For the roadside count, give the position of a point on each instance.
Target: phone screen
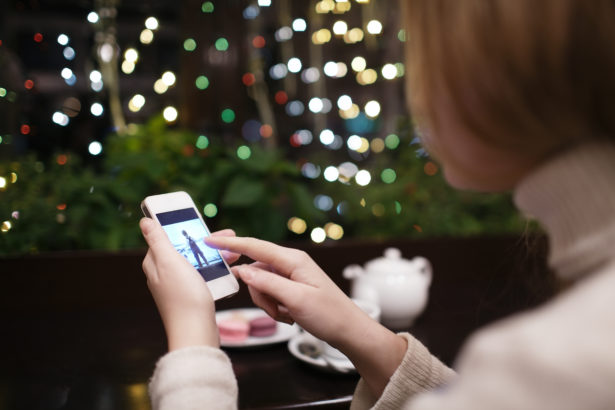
(186, 232)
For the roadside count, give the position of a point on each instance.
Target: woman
(511, 95)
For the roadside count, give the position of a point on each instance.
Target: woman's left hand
(181, 295)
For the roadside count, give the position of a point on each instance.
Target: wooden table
(80, 330)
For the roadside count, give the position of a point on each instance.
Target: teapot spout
(353, 271)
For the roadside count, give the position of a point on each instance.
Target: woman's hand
(181, 295)
(290, 286)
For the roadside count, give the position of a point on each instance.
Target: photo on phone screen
(187, 234)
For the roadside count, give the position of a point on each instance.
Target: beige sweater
(558, 356)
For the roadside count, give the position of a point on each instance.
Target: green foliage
(73, 207)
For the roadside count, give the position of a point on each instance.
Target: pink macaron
(233, 330)
(263, 326)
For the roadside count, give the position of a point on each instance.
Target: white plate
(317, 360)
(283, 333)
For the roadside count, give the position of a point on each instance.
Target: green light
(400, 69)
(391, 141)
(207, 7)
(228, 115)
(401, 35)
(189, 44)
(202, 142)
(397, 207)
(244, 152)
(388, 176)
(202, 82)
(0, 139)
(221, 44)
(210, 210)
(2, 92)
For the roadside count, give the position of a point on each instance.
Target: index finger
(283, 260)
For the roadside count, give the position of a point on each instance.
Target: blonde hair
(525, 75)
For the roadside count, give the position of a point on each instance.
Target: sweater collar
(573, 197)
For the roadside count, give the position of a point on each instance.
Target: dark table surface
(80, 331)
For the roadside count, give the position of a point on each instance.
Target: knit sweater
(558, 356)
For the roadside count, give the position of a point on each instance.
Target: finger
(149, 267)
(155, 236)
(230, 257)
(283, 290)
(265, 302)
(224, 232)
(284, 315)
(284, 260)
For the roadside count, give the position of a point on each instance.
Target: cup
(372, 310)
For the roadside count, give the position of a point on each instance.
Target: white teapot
(399, 286)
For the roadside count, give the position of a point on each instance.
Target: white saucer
(283, 333)
(317, 360)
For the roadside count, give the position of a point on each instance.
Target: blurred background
(284, 120)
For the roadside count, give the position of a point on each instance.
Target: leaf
(243, 192)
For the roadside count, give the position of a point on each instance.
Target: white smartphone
(186, 229)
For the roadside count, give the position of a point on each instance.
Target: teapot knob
(392, 253)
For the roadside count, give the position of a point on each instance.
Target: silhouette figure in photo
(198, 253)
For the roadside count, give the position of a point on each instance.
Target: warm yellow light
(2, 182)
(377, 145)
(147, 36)
(6, 226)
(367, 77)
(170, 114)
(364, 145)
(160, 87)
(13, 177)
(136, 103)
(354, 36)
(378, 209)
(350, 113)
(296, 225)
(334, 231)
(341, 7)
(321, 36)
(128, 67)
(358, 64)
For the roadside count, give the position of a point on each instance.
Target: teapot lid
(391, 262)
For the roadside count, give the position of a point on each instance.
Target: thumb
(155, 236)
(280, 288)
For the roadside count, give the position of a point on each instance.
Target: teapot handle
(424, 268)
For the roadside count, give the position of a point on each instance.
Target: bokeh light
(170, 114)
(244, 152)
(201, 82)
(296, 225)
(210, 210)
(95, 148)
(318, 235)
(228, 115)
